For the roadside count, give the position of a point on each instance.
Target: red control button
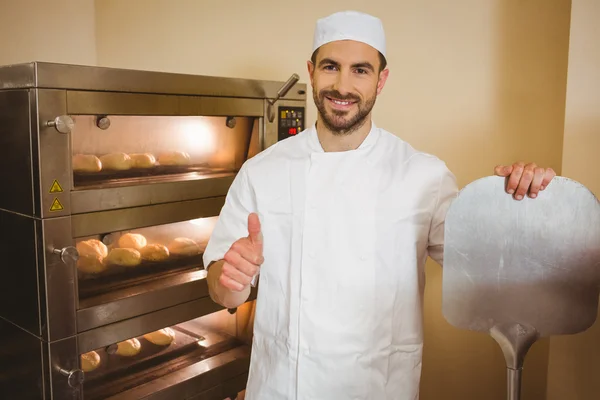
(292, 131)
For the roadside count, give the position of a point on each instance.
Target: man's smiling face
(346, 80)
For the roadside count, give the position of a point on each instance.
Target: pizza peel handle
(521, 270)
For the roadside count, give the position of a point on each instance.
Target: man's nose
(343, 83)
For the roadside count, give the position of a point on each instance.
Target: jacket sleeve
(447, 191)
(232, 223)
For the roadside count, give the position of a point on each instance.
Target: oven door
(104, 151)
(168, 354)
(110, 266)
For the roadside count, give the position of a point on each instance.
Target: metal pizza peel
(521, 270)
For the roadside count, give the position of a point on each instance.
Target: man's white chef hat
(350, 25)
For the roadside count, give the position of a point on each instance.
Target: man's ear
(383, 75)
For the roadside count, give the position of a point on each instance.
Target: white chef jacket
(346, 237)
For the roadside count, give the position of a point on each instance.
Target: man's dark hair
(382, 60)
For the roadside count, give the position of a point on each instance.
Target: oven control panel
(290, 121)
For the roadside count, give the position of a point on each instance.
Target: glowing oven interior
(213, 339)
(135, 149)
(119, 260)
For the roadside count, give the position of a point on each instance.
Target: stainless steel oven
(111, 183)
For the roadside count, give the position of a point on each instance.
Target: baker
(340, 220)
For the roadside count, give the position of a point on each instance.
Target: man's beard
(342, 122)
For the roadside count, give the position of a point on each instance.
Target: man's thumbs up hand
(244, 258)
(254, 233)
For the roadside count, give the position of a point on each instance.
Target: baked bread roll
(129, 348)
(90, 361)
(132, 241)
(162, 337)
(116, 161)
(86, 163)
(174, 158)
(184, 247)
(145, 160)
(155, 252)
(124, 257)
(92, 253)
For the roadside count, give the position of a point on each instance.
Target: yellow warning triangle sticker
(56, 206)
(56, 188)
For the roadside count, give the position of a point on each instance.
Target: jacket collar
(315, 144)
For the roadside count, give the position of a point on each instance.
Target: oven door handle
(69, 255)
(75, 377)
(62, 123)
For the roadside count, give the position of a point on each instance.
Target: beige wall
(475, 82)
(574, 367)
(47, 30)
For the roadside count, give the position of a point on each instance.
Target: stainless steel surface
(281, 93)
(270, 112)
(64, 357)
(75, 377)
(513, 379)
(17, 76)
(98, 199)
(515, 340)
(112, 349)
(519, 270)
(60, 280)
(139, 217)
(270, 127)
(75, 77)
(62, 123)
(227, 390)
(228, 367)
(103, 122)
(16, 164)
(34, 145)
(22, 368)
(123, 330)
(54, 183)
(22, 297)
(230, 122)
(141, 299)
(153, 104)
(287, 86)
(68, 255)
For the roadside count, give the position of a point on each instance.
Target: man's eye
(361, 71)
(329, 67)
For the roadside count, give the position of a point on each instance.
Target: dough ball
(116, 161)
(129, 348)
(91, 256)
(174, 158)
(155, 252)
(91, 264)
(92, 247)
(124, 257)
(132, 241)
(90, 361)
(86, 163)
(162, 337)
(145, 160)
(184, 247)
